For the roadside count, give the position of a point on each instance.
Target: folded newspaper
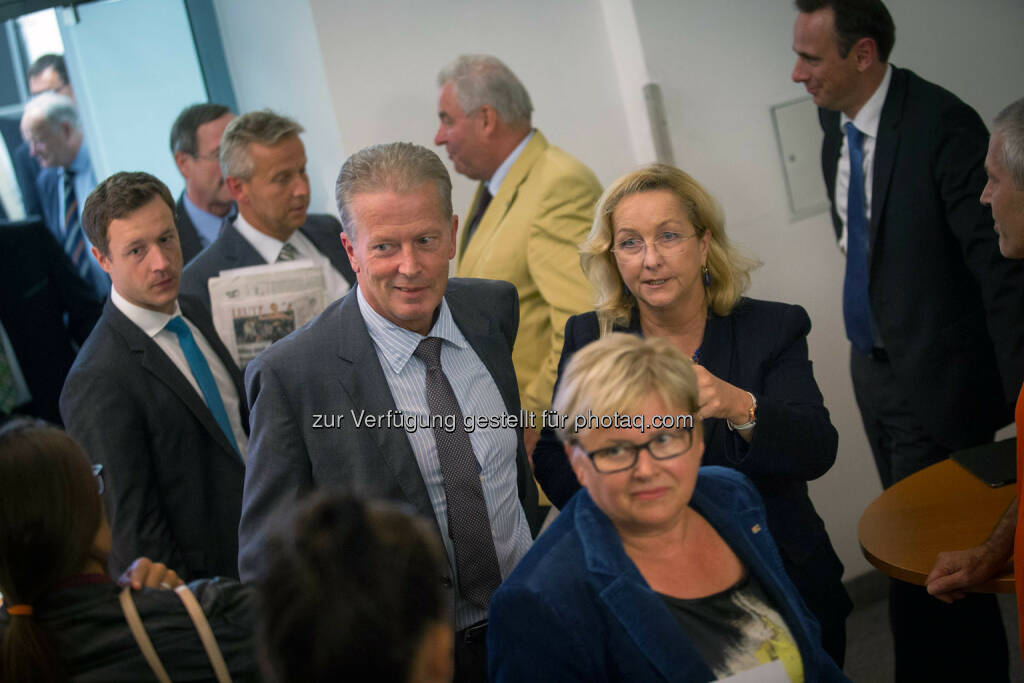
(254, 307)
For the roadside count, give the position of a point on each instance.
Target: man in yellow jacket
(534, 205)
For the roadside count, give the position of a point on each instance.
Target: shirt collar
(494, 184)
(397, 344)
(268, 247)
(149, 321)
(208, 224)
(870, 114)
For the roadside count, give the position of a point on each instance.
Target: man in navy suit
(51, 127)
(926, 291)
(154, 396)
(206, 201)
(264, 166)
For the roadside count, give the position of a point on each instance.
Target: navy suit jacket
(949, 308)
(330, 366)
(173, 481)
(761, 347)
(46, 309)
(576, 608)
(231, 250)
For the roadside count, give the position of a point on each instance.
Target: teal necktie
(204, 377)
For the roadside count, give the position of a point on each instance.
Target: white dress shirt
(495, 449)
(270, 248)
(154, 324)
(866, 122)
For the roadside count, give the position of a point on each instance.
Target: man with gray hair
(542, 208)
(53, 132)
(264, 166)
(402, 390)
(959, 571)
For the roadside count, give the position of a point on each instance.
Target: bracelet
(751, 417)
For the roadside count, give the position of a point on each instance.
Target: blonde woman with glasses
(661, 265)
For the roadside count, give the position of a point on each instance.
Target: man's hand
(145, 573)
(530, 439)
(956, 572)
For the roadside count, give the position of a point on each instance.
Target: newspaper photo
(254, 307)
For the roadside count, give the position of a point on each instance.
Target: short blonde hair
(617, 373)
(729, 269)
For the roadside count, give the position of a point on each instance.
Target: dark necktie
(203, 376)
(74, 239)
(481, 208)
(856, 307)
(469, 527)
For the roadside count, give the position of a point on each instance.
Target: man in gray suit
(354, 400)
(264, 166)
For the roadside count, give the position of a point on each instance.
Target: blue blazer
(576, 608)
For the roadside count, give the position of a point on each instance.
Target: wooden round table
(942, 507)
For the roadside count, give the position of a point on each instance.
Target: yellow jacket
(529, 236)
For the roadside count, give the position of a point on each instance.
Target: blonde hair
(617, 373)
(729, 269)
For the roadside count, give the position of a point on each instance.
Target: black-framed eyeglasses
(97, 471)
(620, 457)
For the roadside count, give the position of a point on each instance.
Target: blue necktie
(201, 371)
(74, 239)
(856, 308)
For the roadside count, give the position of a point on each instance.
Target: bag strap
(205, 633)
(131, 615)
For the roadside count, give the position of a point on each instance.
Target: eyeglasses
(664, 242)
(213, 156)
(97, 471)
(664, 446)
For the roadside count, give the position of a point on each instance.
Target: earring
(707, 276)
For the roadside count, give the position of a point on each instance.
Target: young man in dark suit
(926, 291)
(154, 396)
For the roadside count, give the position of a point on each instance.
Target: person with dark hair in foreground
(61, 618)
(353, 592)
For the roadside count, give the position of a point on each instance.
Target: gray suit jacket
(329, 367)
(231, 250)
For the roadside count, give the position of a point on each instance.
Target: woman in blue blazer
(661, 265)
(659, 570)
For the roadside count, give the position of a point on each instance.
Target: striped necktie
(288, 253)
(74, 239)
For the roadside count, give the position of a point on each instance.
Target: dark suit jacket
(39, 290)
(173, 482)
(231, 250)
(330, 366)
(188, 236)
(949, 308)
(49, 186)
(761, 347)
(576, 608)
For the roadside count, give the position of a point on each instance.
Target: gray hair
(485, 80)
(55, 108)
(263, 127)
(398, 167)
(1010, 124)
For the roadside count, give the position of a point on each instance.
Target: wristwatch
(751, 417)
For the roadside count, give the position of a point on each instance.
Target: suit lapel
(639, 610)
(486, 230)
(885, 150)
(362, 378)
(153, 359)
(237, 250)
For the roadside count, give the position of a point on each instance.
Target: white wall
(275, 61)
(721, 66)
(382, 60)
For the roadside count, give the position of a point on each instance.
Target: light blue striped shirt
(495, 449)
